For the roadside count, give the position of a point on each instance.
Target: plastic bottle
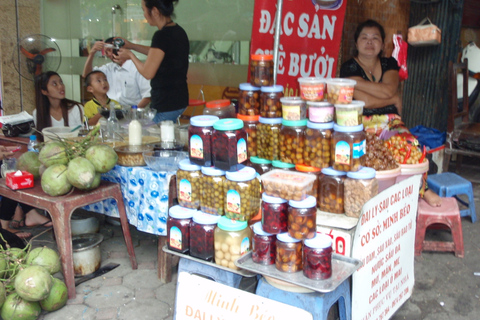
(112, 122)
(134, 129)
(33, 143)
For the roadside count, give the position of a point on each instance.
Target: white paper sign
(203, 299)
(385, 243)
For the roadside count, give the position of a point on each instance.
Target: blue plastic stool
(318, 304)
(449, 184)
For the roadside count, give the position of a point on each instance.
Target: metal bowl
(164, 160)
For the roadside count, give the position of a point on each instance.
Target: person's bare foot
(432, 198)
(33, 219)
(19, 233)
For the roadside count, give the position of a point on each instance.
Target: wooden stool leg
(164, 261)
(125, 226)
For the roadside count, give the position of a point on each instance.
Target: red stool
(448, 215)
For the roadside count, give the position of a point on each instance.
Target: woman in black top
(167, 60)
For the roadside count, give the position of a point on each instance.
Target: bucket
(56, 133)
(387, 178)
(86, 253)
(408, 170)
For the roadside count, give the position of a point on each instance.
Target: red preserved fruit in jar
(289, 254)
(274, 214)
(261, 70)
(229, 144)
(263, 246)
(202, 230)
(200, 139)
(302, 218)
(317, 257)
(178, 228)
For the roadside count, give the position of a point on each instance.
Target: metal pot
(87, 257)
(84, 224)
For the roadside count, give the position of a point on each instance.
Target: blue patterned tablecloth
(145, 195)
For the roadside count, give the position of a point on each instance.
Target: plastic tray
(342, 268)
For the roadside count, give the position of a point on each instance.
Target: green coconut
(15, 257)
(33, 283)
(81, 173)
(44, 257)
(57, 298)
(3, 266)
(54, 180)
(96, 181)
(3, 294)
(16, 308)
(53, 153)
(103, 157)
(29, 162)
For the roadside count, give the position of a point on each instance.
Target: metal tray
(241, 272)
(342, 268)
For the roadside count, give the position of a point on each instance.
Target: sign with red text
(311, 32)
(202, 299)
(385, 243)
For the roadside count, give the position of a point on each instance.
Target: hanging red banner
(311, 32)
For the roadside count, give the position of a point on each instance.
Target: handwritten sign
(202, 299)
(385, 243)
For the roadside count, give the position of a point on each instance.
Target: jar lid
(248, 118)
(353, 104)
(205, 218)
(292, 100)
(258, 160)
(218, 103)
(341, 82)
(319, 104)
(332, 172)
(179, 212)
(285, 237)
(320, 241)
(308, 202)
(231, 225)
(247, 87)
(283, 165)
(270, 199)
(304, 168)
(262, 57)
(357, 128)
(258, 229)
(270, 120)
(212, 171)
(188, 166)
(296, 123)
(228, 124)
(363, 173)
(275, 88)
(320, 125)
(244, 174)
(203, 121)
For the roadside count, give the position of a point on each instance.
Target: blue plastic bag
(429, 137)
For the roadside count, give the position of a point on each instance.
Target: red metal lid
(218, 103)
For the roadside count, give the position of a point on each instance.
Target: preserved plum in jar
(274, 214)
(250, 125)
(317, 257)
(302, 218)
(270, 105)
(292, 141)
(248, 99)
(277, 164)
(200, 139)
(221, 108)
(232, 240)
(178, 228)
(318, 140)
(261, 70)
(289, 256)
(348, 148)
(268, 138)
(263, 245)
(229, 144)
(242, 194)
(331, 191)
(260, 165)
(202, 230)
(212, 196)
(189, 184)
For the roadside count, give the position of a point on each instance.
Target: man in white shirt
(127, 85)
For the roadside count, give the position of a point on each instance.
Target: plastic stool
(449, 184)
(447, 214)
(318, 304)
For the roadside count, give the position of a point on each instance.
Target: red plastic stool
(447, 214)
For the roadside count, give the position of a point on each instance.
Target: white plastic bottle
(134, 129)
(32, 143)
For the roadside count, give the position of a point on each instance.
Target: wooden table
(16, 141)
(60, 210)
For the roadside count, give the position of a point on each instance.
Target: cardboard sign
(202, 299)
(385, 243)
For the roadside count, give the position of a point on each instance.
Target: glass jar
(268, 138)
(317, 172)
(202, 229)
(348, 148)
(200, 139)
(242, 194)
(189, 184)
(293, 108)
(212, 196)
(232, 240)
(274, 214)
(289, 254)
(248, 99)
(261, 70)
(317, 257)
(331, 191)
(264, 247)
(250, 124)
(178, 228)
(302, 218)
(277, 164)
(220, 108)
(318, 140)
(270, 105)
(260, 165)
(292, 141)
(229, 141)
(360, 186)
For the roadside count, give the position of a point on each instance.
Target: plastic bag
(400, 54)
(429, 137)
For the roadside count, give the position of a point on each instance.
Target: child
(97, 83)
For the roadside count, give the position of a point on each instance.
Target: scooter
(472, 53)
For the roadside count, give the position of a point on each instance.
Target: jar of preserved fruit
(293, 108)
(261, 70)
(260, 165)
(212, 196)
(178, 228)
(320, 111)
(232, 240)
(229, 141)
(348, 148)
(318, 140)
(317, 257)
(202, 229)
(189, 184)
(277, 164)
(360, 186)
(250, 124)
(220, 108)
(331, 190)
(289, 253)
(270, 105)
(248, 99)
(264, 247)
(242, 194)
(317, 172)
(268, 138)
(302, 218)
(292, 141)
(274, 214)
(200, 139)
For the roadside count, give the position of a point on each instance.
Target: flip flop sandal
(15, 224)
(43, 225)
